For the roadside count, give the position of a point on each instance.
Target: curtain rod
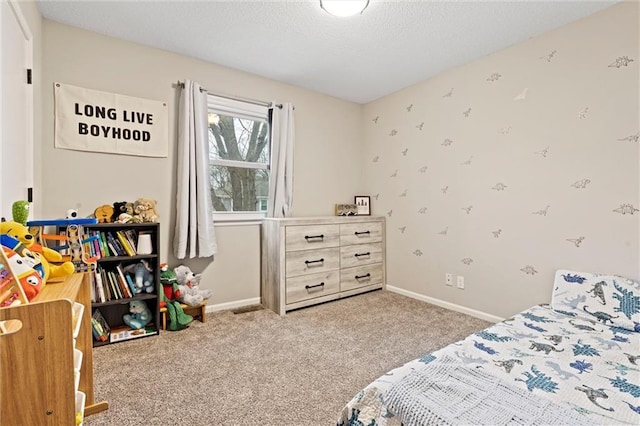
(235, 98)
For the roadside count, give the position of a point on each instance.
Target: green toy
(20, 211)
(178, 320)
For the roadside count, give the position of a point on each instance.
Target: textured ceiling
(392, 45)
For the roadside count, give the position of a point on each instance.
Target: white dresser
(306, 261)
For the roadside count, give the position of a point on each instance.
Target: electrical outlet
(461, 282)
(448, 278)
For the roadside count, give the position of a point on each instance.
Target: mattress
(576, 353)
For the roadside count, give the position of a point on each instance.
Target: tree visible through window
(239, 154)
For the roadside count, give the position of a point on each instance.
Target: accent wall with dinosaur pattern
(511, 167)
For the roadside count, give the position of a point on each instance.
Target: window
(239, 155)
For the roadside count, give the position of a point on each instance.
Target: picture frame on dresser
(363, 203)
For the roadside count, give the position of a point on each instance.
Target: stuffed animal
(29, 279)
(31, 259)
(104, 213)
(51, 260)
(168, 298)
(189, 285)
(20, 211)
(124, 218)
(145, 210)
(119, 207)
(143, 275)
(140, 314)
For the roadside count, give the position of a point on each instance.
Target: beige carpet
(257, 368)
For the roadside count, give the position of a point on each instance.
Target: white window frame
(247, 110)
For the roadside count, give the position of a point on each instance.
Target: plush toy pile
(46, 262)
(143, 210)
(178, 320)
(188, 282)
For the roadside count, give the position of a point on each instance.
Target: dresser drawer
(360, 233)
(360, 276)
(311, 261)
(360, 255)
(306, 237)
(311, 286)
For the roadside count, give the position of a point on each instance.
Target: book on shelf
(94, 288)
(131, 284)
(115, 244)
(115, 295)
(132, 237)
(125, 332)
(99, 327)
(99, 289)
(95, 246)
(105, 284)
(98, 243)
(105, 246)
(125, 243)
(117, 290)
(123, 282)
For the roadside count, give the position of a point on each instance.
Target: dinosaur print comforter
(582, 351)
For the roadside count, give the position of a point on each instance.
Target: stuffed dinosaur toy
(178, 320)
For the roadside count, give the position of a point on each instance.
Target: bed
(575, 361)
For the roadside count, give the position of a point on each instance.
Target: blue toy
(143, 276)
(139, 316)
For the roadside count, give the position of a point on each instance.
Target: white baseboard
(448, 305)
(233, 305)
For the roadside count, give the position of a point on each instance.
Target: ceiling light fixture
(344, 8)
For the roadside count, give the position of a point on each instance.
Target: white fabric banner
(90, 120)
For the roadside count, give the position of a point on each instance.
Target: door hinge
(29, 76)
(30, 195)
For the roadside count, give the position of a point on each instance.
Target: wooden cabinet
(36, 357)
(115, 308)
(306, 261)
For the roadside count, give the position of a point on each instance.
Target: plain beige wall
(578, 104)
(327, 168)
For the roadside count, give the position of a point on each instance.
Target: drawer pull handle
(309, 262)
(314, 237)
(361, 233)
(359, 277)
(309, 287)
(362, 254)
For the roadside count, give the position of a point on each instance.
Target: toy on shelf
(20, 212)
(122, 212)
(51, 260)
(75, 244)
(139, 316)
(189, 284)
(26, 266)
(144, 211)
(11, 292)
(143, 275)
(104, 213)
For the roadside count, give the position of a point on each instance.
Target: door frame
(14, 6)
